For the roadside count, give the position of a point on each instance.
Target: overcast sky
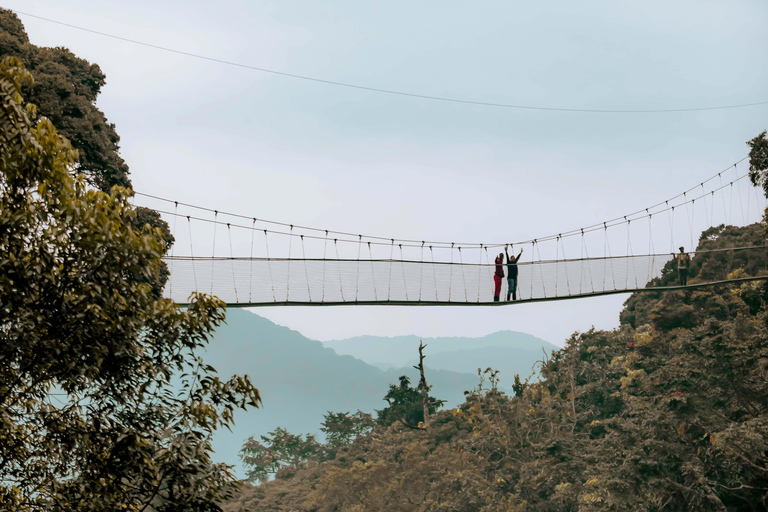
(315, 154)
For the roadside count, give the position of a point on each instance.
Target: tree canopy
(65, 91)
(104, 403)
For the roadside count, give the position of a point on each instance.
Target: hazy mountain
(508, 351)
(300, 379)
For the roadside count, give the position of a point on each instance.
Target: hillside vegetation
(667, 412)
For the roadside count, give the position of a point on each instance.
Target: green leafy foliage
(104, 403)
(341, 428)
(758, 161)
(405, 404)
(64, 91)
(276, 450)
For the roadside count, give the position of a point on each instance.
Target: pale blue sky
(309, 153)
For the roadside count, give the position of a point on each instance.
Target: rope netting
(396, 281)
(264, 262)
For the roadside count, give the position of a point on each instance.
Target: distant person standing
(498, 276)
(683, 264)
(512, 274)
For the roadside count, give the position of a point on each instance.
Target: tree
(758, 162)
(406, 405)
(276, 450)
(65, 91)
(342, 428)
(104, 403)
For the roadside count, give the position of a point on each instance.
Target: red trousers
(497, 286)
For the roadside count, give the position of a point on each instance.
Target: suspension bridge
(251, 261)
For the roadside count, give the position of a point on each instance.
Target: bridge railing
(261, 281)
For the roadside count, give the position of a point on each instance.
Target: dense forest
(667, 412)
(106, 403)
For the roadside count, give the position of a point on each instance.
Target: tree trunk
(423, 384)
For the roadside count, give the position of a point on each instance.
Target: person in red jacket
(498, 276)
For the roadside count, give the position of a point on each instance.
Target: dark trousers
(512, 288)
(683, 274)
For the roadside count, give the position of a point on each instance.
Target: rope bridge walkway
(278, 264)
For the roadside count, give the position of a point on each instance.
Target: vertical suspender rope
(325, 250)
(565, 264)
(250, 275)
(722, 195)
(232, 261)
(748, 198)
(463, 277)
(557, 262)
(402, 266)
(605, 252)
(213, 254)
(341, 286)
(706, 212)
(533, 267)
(671, 219)
(357, 277)
(479, 273)
(391, 263)
(688, 220)
(692, 222)
(434, 272)
(421, 269)
(651, 250)
(288, 277)
(191, 253)
(581, 263)
(491, 270)
(741, 206)
(631, 254)
(610, 258)
(589, 265)
(173, 245)
(373, 272)
(306, 273)
(730, 205)
(269, 266)
(450, 276)
(541, 271)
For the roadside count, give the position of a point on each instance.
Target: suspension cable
(415, 243)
